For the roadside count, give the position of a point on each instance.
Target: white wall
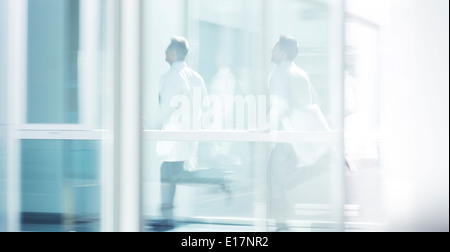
(415, 108)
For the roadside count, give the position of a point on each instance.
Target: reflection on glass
(290, 163)
(238, 182)
(180, 89)
(60, 187)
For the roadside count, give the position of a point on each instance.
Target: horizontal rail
(200, 136)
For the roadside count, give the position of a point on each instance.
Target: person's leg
(281, 162)
(278, 204)
(276, 193)
(170, 174)
(167, 191)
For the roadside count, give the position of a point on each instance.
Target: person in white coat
(181, 93)
(290, 163)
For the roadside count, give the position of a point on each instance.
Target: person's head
(177, 50)
(286, 49)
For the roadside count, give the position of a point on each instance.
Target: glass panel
(69, 81)
(53, 43)
(60, 185)
(254, 82)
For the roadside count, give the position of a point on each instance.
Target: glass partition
(242, 150)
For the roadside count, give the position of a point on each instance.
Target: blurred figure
(224, 81)
(222, 86)
(178, 83)
(290, 164)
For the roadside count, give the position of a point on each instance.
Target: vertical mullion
(261, 147)
(129, 125)
(88, 62)
(16, 85)
(109, 83)
(117, 113)
(337, 47)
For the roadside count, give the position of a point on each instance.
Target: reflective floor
(363, 212)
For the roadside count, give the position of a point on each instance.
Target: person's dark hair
(181, 47)
(290, 46)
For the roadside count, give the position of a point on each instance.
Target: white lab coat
(297, 111)
(179, 85)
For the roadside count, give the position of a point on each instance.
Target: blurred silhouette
(292, 163)
(178, 157)
(224, 85)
